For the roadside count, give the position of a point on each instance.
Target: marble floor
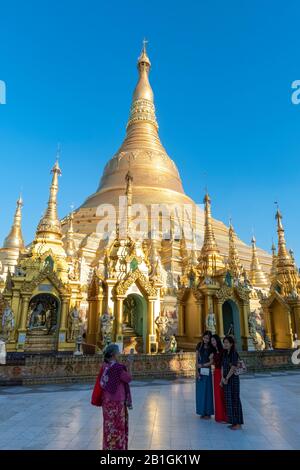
(61, 417)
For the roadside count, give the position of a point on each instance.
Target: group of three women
(217, 384)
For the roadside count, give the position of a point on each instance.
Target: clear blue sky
(222, 74)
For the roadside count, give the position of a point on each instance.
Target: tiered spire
(13, 244)
(14, 239)
(234, 263)
(142, 108)
(256, 276)
(286, 271)
(49, 226)
(210, 260)
(284, 259)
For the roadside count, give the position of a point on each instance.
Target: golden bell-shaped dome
(156, 178)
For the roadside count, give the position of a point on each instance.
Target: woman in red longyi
(217, 357)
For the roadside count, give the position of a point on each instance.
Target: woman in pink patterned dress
(116, 399)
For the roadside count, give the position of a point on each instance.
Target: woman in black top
(231, 384)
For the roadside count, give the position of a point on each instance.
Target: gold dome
(155, 175)
(156, 178)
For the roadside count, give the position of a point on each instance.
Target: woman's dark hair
(110, 351)
(231, 340)
(200, 345)
(219, 343)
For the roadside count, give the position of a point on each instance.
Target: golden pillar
(64, 312)
(181, 329)
(220, 324)
(119, 320)
(24, 312)
(198, 325)
(150, 339)
(92, 321)
(23, 322)
(245, 335)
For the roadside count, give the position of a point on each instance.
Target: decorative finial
(257, 276)
(15, 238)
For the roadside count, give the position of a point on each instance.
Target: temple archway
(135, 318)
(42, 323)
(231, 321)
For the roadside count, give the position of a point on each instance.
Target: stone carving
(131, 278)
(224, 293)
(256, 330)
(8, 324)
(163, 325)
(74, 324)
(172, 345)
(106, 323)
(211, 322)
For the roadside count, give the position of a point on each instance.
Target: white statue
(163, 324)
(8, 324)
(255, 330)
(2, 352)
(74, 324)
(211, 322)
(106, 321)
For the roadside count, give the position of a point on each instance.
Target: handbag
(97, 394)
(204, 371)
(241, 368)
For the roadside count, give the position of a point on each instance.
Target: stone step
(40, 344)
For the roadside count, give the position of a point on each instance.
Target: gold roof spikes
(69, 241)
(211, 263)
(234, 263)
(256, 276)
(49, 225)
(14, 239)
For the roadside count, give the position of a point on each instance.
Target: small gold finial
(210, 260)
(235, 266)
(257, 276)
(15, 237)
(50, 224)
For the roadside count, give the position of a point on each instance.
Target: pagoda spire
(286, 271)
(49, 226)
(14, 239)
(210, 260)
(256, 276)
(284, 259)
(13, 245)
(142, 108)
(234, 263)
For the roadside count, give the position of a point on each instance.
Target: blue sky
(222, 74)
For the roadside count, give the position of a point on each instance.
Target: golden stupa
(87, 273)
(156, 177)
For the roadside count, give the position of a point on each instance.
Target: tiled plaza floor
(61, 417)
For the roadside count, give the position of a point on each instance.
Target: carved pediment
(136, 277)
